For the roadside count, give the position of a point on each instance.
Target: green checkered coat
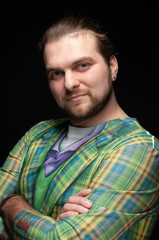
(120, 164)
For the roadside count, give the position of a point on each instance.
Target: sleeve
(125, 201)
(9, 172)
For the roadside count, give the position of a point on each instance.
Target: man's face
(79, 77)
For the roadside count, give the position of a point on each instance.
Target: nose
(71, 82)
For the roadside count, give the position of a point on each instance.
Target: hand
(76, 205)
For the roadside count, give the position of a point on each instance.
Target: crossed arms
(75, 205)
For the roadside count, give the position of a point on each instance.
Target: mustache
(77, 92)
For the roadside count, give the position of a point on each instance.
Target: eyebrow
(76, 62)
(82, 59)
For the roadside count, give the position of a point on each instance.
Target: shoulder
(132, 147)
(47, 124)
(43, 127)
(130, 132)
(127, 135)
(136, 145)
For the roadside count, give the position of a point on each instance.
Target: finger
(84, 192)
(75, 208)
(80, 201)
(67, 214)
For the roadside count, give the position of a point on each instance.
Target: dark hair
(73, 24)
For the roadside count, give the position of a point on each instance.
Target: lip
(76, 97)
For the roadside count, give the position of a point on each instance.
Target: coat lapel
(34, 158)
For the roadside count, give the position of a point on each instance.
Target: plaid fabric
(55, 157)
(120, 164)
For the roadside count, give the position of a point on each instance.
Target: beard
(83, 110)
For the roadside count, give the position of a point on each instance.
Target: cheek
(101, 85)
(99, 75)
(99, 82)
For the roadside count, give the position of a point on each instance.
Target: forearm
(10, 207)
(20, 220)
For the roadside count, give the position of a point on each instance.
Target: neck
(111, 111)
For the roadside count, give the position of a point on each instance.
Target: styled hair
(70, 25)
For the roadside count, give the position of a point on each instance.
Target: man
(93, 175)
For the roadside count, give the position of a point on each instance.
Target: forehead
(70, 47)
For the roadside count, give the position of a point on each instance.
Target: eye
(55, 75)
(82, 67)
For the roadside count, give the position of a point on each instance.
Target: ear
(113, 63)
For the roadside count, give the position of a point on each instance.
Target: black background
(25, 96)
